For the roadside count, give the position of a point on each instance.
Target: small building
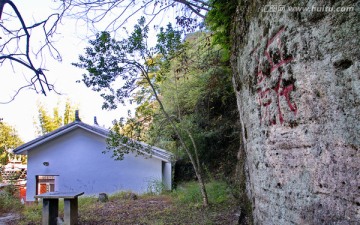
(13, 175)
(71, 158)
(13, 172)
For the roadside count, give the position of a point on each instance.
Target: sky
(21, 113)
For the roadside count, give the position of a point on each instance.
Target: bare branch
(2, 4)
(16, 46)
(118, 12)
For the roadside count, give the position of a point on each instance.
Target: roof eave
(41, 141)
(156, 152)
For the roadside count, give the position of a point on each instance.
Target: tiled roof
(160, 153)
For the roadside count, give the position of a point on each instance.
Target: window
(45, 184)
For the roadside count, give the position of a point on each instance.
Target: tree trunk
(193, 162)
(198, 173)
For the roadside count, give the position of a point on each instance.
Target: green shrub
(219, 20)
(9, 203)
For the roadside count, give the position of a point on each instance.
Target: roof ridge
(102, 131)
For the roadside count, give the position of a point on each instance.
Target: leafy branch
(107, 60)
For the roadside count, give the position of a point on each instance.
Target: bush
(9, 203)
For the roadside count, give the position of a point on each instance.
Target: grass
(31, 215)
(181, 206)
(189, 193)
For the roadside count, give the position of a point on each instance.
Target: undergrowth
(189, 193)
(31, 215)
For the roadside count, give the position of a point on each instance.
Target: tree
(197, 92)
(48, 123)
(9, 140)
(130, 60)
(18, 48)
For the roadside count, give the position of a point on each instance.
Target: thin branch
(16, 93)
(94, 12)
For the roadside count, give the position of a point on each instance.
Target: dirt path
(5, 219)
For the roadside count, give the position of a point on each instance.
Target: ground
(155, 210)
(8, 218)
(149, 210)
(178, 207)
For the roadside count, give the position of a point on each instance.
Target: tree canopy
(48, 122)
(132, 59)
(9, 139)
(183, 89)
(26, 44)
(196, 89)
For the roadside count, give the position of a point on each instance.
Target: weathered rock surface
(297, 77)
(103, 197)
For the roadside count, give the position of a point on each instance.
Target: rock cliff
(297, 80)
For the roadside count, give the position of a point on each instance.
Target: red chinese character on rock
(271, 87)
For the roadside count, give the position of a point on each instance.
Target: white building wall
(77, 159)
(166, 175)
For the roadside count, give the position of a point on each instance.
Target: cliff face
(297, 78)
